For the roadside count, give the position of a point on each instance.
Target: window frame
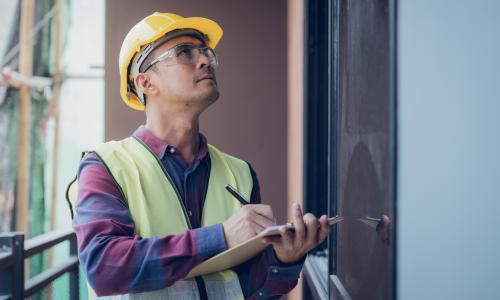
(321, 103)
(319, 91)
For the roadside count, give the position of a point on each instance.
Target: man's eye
(186, 52)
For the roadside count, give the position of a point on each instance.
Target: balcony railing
(13, 253)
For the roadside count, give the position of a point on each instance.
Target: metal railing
(13, 252)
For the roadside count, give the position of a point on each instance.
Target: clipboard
(242, 252)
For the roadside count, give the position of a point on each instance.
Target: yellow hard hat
(147, 31)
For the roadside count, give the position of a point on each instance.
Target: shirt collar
(160, 147)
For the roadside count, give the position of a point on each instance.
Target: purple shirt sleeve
(264, 276)
(117, 261)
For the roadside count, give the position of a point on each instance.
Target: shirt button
(171, 150)
(260, 294)
(274, 270)
(190, 213)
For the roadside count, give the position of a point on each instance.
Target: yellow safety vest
(157, 209)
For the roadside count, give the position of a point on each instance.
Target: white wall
(81, 114)
(81, 100)
(8, 8)
(449, 147)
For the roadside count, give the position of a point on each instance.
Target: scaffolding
(30, 84)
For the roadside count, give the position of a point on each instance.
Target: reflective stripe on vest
(157, 209)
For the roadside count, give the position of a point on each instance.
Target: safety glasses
(186, 53)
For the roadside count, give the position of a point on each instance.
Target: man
(153, 206)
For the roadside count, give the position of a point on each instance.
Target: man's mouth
(208, 76)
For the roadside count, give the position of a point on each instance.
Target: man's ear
(144, 83)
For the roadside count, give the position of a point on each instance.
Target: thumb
(273, 239)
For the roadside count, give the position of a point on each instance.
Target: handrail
(6, 259)
(6, 255)
(43, 279)
(13, 252)
(45, 241)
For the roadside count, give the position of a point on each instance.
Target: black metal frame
(333, 127)
(316, 98)
(393, 90)
(319, 128)
(321, 46)
(13, 252)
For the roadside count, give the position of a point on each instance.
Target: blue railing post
(73, 275)
(12, 277)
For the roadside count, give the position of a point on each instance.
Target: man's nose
(203, 59)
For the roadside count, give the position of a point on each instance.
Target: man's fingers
(261, 221)
(263, 210)
(312, 230)
(253, 215)
(283, 240)
(274, 239)
(257, 228)
(286, 237)
(298, 222)
(324, 228)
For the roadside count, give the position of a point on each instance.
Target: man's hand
(290, 246)
(246, 223)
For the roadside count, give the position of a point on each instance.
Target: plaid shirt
(116, 261)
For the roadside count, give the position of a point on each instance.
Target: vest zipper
(170, 180)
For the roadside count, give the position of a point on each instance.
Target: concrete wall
(250, 118)
(449, 143)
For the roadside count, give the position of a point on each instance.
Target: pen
(236, 194)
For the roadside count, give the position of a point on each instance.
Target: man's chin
(207, 98)
(205, 93)
(212, 95)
